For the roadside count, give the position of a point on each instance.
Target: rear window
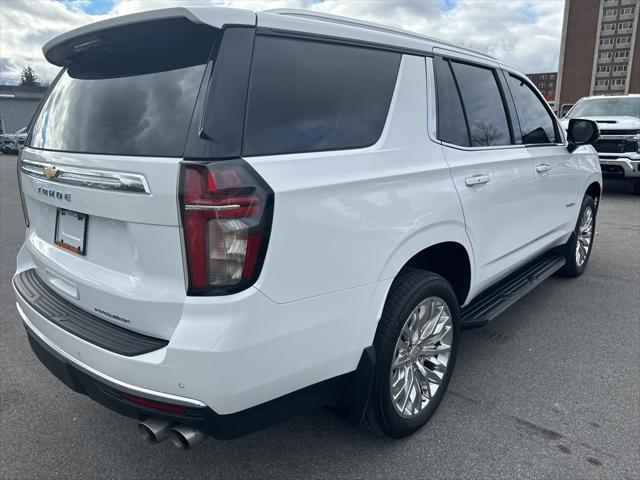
(308, 96)
(133, 95)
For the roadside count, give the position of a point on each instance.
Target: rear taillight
(226, 217)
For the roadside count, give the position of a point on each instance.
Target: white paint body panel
(345, 223)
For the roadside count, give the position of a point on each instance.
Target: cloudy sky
(524, 33)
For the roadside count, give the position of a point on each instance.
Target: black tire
(572, 268)
(408, 290)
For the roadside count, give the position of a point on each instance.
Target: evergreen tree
(28, 77)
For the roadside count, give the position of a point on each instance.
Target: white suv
(234, 217)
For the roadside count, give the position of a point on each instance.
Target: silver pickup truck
(618, 117)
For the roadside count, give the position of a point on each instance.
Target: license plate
(71, 230)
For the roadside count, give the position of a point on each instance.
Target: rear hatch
(100, 170)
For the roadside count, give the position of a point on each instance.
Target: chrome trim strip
(487, 147)
(98, 179)
(106, 379)
(215, 208)
(630, 137)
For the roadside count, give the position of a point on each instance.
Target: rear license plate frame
(70, 235)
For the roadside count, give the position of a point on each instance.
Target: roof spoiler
(61, 50)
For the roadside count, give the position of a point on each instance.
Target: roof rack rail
(294, 12)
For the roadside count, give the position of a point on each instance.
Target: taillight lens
(226, 216)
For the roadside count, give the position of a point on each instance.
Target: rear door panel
(499, 213)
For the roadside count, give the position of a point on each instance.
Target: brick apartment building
(546, 83)
(600, 50)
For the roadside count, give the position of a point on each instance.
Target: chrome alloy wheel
(421, 356)
(585, 234)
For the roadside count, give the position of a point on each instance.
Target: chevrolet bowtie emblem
(50, 171)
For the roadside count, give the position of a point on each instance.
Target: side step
(498, 298)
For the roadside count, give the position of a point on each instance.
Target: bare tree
(484, 133)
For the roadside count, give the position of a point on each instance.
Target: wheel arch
(451, 261)
(593, 187)
(594, 190)
(432, 249)
(415, 250)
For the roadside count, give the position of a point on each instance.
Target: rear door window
(536, 123)
(452, 127)
(486, 114)
(307, 95)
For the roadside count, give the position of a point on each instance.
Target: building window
(611, 13)
(603, 55)
(620, 68)
(625, 25)
(619, 81)
(622, 54)
(623, 40)
(604, 69)
(602, 83)
(627, 11)
(606, 41)
(608, 27)
(543, 77)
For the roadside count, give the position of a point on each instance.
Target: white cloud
(523, 33)
(25, 26)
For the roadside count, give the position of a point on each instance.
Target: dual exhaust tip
(155, 430)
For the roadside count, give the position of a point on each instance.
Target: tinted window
(306, 96)
(486, 115)
(134, 96)
(452, 127)
(536, 124)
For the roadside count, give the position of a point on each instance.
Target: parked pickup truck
(618, 118)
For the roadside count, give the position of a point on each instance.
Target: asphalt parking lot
(550, 390)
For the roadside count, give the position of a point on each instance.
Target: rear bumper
(229, 352)
(227, 358)
(620, 167)
(112, 394)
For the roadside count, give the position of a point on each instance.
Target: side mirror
(582, 132)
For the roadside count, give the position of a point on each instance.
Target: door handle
(542, 168)
(476, 180)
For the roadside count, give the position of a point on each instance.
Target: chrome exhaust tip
(186, 437)
(154, 430)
